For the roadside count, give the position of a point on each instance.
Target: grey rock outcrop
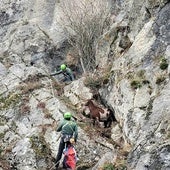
(29, 32)
(140, 92)
(137, 47)
(77, 93)
(3, 69)
(30, 112)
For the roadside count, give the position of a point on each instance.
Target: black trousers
(62, 146)
(60, 151)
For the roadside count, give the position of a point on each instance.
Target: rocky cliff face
(137, 47)
(139, 90)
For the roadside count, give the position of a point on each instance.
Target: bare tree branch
(83, 22)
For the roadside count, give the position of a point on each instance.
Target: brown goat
(98, 114)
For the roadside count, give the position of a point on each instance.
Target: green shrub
(9, 101)
(145, 82)
(163, 64)
(39, 146)
(137, 79)
(135, 84)
(160, 79)
(108, 166)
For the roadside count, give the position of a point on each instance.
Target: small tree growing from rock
(83, 22)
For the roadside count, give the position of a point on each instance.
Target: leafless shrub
(47, 113)
(24, 109)
(83, 22)
(41, 105)
(30, 87)
(96, 81)
(58, 87)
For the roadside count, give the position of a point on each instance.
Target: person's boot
(57, 166)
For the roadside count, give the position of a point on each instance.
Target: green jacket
(67, 73)
(68, 127)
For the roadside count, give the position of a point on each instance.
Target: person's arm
(60, 127)
(75, 133)
(56, 73)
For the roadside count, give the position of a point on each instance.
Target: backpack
(70, 158)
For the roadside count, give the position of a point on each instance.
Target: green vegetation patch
(136, 84)
(163, 64)
(160, 80)
(3, 120)
(2, 135)
(138, 79)
(9, 101)
(40, 146)
(97, 80)
(108, 166)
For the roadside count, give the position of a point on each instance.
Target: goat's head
(89, 102)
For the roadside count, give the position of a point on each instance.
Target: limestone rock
(3, 69)
(77, 92)
(31, 40)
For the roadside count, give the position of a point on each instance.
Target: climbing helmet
(63, 67)
(67, 115)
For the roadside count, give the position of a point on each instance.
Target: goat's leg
(98, 121)
(94, 121)
(105, 124)
(108, 122)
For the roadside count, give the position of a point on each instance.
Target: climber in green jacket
(68, 130)
(66, 71)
